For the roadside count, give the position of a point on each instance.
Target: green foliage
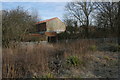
(73, 60)
(44, 77)
(48, 75)
(93, 47)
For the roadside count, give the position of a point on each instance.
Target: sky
(45, 10)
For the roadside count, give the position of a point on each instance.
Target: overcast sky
(45, 10)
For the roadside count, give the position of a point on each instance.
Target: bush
(73, 60)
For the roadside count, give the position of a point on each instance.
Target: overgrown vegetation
(55, 60)
(88, 58)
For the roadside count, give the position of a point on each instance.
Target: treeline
(91, 20)
(83, 20)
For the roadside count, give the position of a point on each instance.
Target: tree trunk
(111, 25)
(87, 25)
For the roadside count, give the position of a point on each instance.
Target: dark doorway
(52, 39)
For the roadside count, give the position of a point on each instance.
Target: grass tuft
(48, 75)
(93, 47)
(73, 60)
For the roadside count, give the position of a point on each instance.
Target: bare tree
(82, 12)
(106, 16)
(16, 24)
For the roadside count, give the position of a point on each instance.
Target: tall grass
(25, 61)
(33, 60)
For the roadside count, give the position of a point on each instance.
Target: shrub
(73, 60)
(93, 48)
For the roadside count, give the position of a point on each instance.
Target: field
(72, 59)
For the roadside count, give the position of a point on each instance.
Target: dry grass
(25, 61)
(28, 61)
